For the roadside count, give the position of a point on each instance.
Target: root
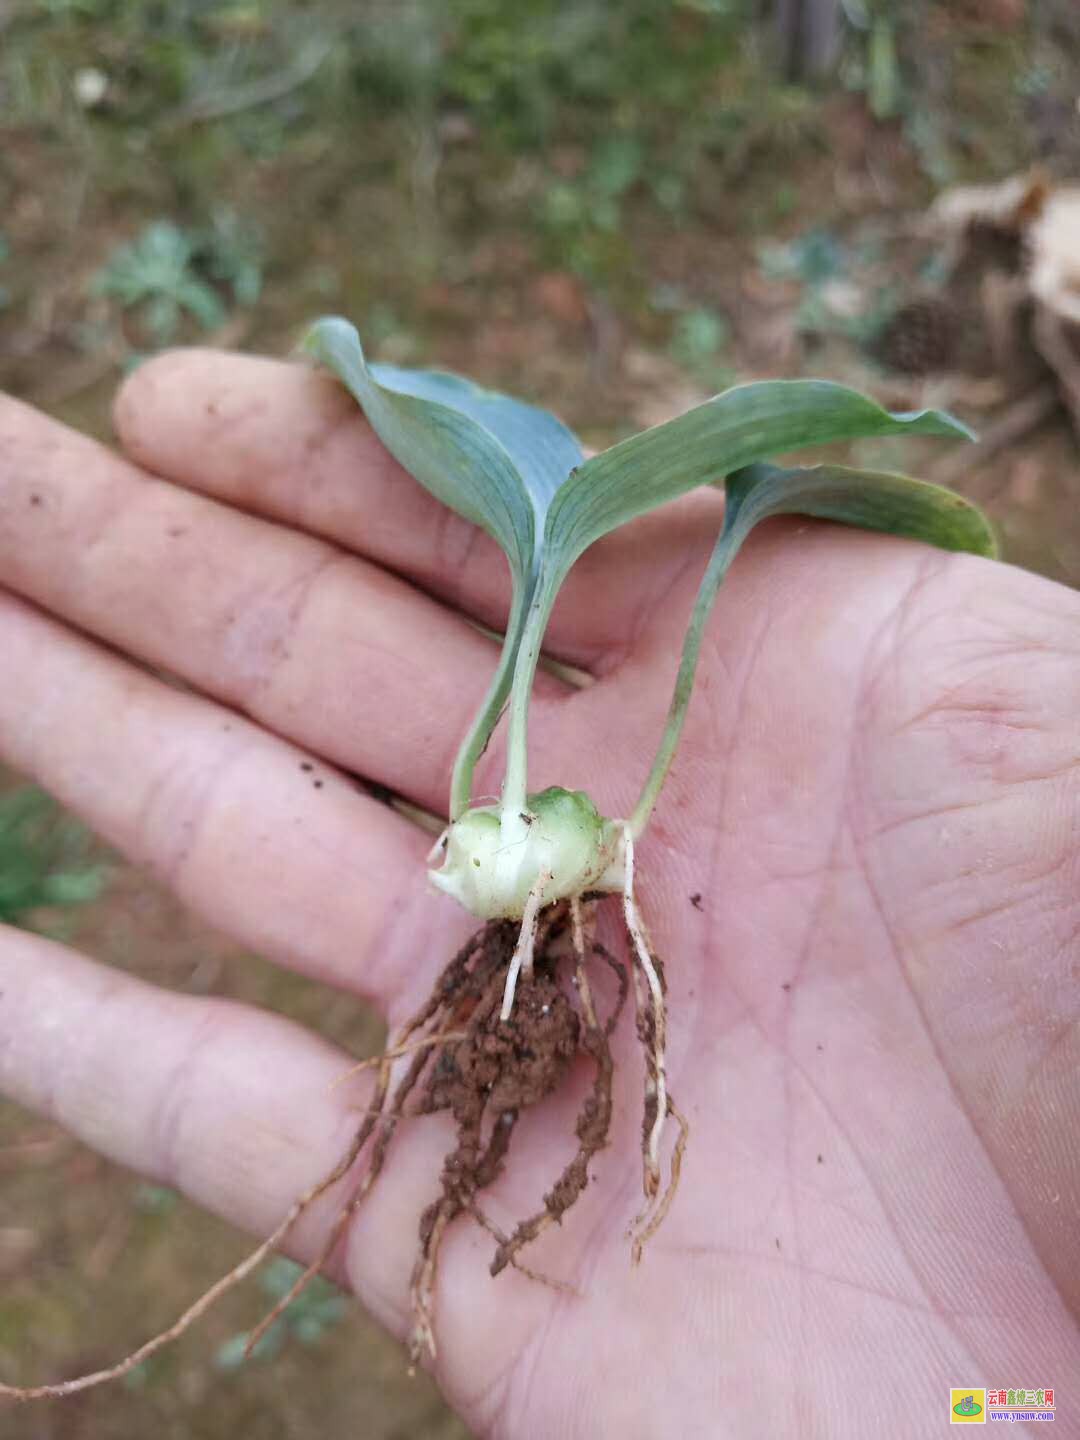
(194, 1312)
(523, 951)
(454, 981)
(465, 1170)
(486, 1223)
(362, 1190)
(485, 1080)
(454, 984)
(446, 986)
(648, 1229)
(497, 1034)
(581, 978)
(651, 1005)
(422, 1289)
(593, 1121)
(458, 1015)
(652, 1028)
(409, 1048)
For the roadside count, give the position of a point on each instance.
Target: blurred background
(614, 209)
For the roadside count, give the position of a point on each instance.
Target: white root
(636, 927)
(648, 1224)
(577, 922)
(422, 1339)
(523, 951)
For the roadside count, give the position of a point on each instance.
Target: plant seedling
(499, 1029)
(517, 472)
(168, 271)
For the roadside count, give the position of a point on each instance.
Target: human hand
(877, 798)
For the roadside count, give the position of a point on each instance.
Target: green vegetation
(320, 1307)
(420, 145)
(167, 271)
(46, 859)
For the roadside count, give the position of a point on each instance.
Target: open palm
(862, 876)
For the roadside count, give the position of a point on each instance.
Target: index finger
(290, 443)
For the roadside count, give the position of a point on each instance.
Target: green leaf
(161, 315)
(233, 1353)
(869, 499)
(495, 460)
(543, 450)
(519, 474)
(73, 887)
(279, 1276)
(744, 424)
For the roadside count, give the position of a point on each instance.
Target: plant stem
(515, 783)
(724, 552)
(491, 707)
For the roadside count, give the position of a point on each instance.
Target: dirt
(485, 1054)
(485, 1077)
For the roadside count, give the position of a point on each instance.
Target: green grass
(46, 860)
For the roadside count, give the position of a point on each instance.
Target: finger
(229, 1104)
(312, 642)
(240, 1110)
(282, 853)
(284, 441)
(236, 1108)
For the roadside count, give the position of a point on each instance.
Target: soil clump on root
(456, 1055)
(491, 1074)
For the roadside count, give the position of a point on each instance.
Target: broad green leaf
(495, 460)
(543, 450)
(744, 424)
(869, 499)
